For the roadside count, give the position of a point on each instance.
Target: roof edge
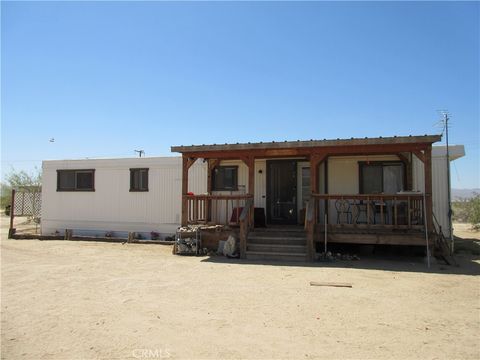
(422, 139)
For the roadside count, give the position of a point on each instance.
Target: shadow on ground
(388, 258)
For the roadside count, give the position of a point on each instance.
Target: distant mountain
(462, 194)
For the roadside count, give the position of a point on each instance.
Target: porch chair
(361, 213)
(343, 211)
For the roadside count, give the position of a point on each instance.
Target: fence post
(68, 234)
(11, 229)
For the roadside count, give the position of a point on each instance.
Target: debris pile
(190, 228)
(187, 245)
(328, 256)
(206, 251)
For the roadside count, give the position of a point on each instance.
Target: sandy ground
(79, 300)
(465, 231)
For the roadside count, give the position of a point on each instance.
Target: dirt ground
(84, 300)
(465, 231)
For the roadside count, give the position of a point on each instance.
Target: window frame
(362, 164)
(75, 188)
(213, 177)
(132, 172)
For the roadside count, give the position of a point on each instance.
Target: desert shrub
(460, 211)
(16, 179)
(474, 210)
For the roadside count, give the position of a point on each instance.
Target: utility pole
(140, 152)
(450, 221)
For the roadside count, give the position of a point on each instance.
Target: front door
(282, 192)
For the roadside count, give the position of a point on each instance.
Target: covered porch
(366, 191)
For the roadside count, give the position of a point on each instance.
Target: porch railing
(246, 223)
(375, 211)
(215, 209)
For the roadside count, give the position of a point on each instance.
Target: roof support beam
(348, 150)
(419, 155)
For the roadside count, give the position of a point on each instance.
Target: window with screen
(381, 177)
(139, 179)
(225, 178)
(76, 180)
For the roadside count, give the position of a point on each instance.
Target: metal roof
(422, 139)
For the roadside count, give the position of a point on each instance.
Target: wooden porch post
(315, 160)
(249, 160)
(11, 229)
(212, 164)
(427, 164)
(184, 190)
(251, 187)
(314, 174)
(407, 162)
(186, 163)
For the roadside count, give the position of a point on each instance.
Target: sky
(106, 78)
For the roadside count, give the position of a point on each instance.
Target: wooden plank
(419, 155)
(243, 239)
(195, 210)
(382, 220)
(191, 161)
(409, 220)
(368, 211)
(373, 227)
(310, 228)
(12, 212)
(333, 284)
(367, 196)
(211, 164)
(370, 149)
(396, 140)
(395, 211)
(226, 212)
(407, 163)
(374, 239)
(251, 187)
(184, 190)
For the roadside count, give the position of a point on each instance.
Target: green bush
(474, 210)
(467, 210)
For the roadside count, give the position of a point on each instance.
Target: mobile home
(370, 191)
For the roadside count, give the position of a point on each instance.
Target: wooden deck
(373, 236)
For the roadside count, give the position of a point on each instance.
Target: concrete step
(273, 256)
(276, 248)
(263, 239)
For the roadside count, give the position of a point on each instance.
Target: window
(381, 177)
(76, 180)
(138, 179)
(225, 178)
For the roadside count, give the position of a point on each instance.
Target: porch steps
(278, 248)
(277, 244)
(268, 256)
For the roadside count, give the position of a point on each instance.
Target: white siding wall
(418, 175)
(112, 206)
